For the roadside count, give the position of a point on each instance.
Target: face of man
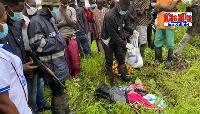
(91, 2)
(123, 7)
(30, 7)
(99, 4)
(64, 3)
(82, 4)
(14, 8)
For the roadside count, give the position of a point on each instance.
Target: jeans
(37, 93)
(83, 41)
(40, 93)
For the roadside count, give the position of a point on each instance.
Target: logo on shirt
(178, 19)
(52, 34)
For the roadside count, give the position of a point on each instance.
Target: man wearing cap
(48, 44)
(35, 83)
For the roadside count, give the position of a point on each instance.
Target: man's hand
(63, 10)
(156, 10)
(140, 12)
(67, 36)
(129, 46)
(28, 68)
(6, 105)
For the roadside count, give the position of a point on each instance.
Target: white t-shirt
(9, 80)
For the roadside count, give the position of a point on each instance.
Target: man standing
(112, 39)
(14, 40)
(192, 30)
(35, 83)
(141, 23)
(82, 28)
(49, 45)
(13, 86)
(99, 13)
(164, 32)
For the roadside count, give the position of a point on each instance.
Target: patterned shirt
(98, 20)
(141, 4)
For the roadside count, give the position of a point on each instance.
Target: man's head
(14, 8)
(99, 4)
(3, 16)
(47, 6)
(64, 3)
(3, 25)
(81, 3)
(91, 2)
(29, 7)
(112, 3)
(123, 6)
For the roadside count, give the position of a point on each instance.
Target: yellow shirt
(160, 18)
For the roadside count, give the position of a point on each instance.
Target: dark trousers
(118, 53)
(149, 34)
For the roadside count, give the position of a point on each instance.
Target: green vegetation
(178, 85)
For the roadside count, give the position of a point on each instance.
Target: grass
(179, 88)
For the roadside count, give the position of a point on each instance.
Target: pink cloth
(138, 86)
(134, 97)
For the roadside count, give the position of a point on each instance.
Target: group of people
(47, 32)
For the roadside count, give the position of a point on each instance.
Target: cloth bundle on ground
(133, 57)
(133, 94)
(113, 94)
(72, 55)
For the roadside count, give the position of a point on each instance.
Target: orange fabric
(160, 19)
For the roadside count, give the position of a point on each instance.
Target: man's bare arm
(172, 7)
(6, 105)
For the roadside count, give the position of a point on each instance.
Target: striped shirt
(141, 4)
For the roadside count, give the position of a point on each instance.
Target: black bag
(113, 94)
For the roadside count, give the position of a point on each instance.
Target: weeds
(178, 86)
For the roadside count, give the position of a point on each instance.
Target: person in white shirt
(13, 86)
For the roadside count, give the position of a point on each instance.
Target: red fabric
(89, 17)
(72, 55)
(134, 97)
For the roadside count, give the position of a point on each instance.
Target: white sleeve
(73, 14)
(4, 75)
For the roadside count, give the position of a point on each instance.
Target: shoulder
(72, 9)
(4, 56)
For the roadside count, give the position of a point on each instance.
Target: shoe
(122, 70)
(111, 76)
(169, 58)
(142, 49)
(158, 55)
(46, 107)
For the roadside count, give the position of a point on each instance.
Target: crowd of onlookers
(61, 32)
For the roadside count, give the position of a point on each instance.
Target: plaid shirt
(142, 4)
